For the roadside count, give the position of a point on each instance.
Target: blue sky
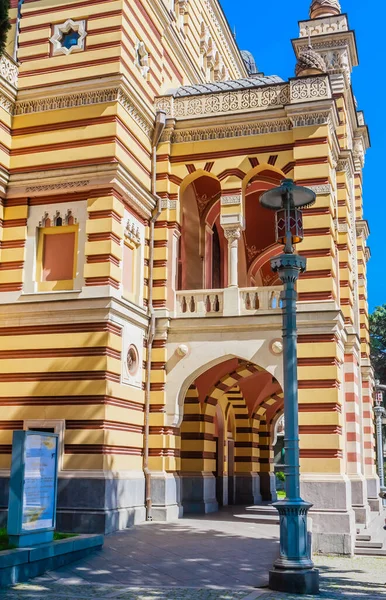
(266, 28)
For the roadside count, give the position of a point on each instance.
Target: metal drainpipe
(17, 32)
(159, 126)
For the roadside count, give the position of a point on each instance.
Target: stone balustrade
(261, 298)
(213, 303)
(199, 303)
(259, 98)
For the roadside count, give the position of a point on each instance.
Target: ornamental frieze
(226, 131)
(8, 70)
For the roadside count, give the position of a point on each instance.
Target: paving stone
(217, 557)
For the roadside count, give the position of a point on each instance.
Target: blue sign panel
(32, 496)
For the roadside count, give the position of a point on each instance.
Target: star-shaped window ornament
(68, 37)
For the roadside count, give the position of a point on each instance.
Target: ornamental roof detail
(310, 60)
(224, 86)
(322, 8)
(249, 61)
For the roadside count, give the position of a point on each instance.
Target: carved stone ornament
(142, 58)
(232, 234)
(8, 70)
(132, 360)
(57, 186)
(57, 219)
(276, 346)
(61, 30)
(87, 98)
(231, 200)
(226, 131)
(132, 233)
(324, 8)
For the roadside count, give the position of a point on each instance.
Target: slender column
(379, 414)
(233, 235)
(294, 568)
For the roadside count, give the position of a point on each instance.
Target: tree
(4, 24)
(378, 342)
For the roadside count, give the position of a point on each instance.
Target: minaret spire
(324, 8)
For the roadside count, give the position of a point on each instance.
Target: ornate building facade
(139, 317)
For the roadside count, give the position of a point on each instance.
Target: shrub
(4, 24)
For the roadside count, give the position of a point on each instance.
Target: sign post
(33, 488)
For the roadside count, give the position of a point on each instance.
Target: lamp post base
(294, 582)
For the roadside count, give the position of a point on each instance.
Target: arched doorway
(226, 452)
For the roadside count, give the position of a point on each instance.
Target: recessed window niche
(68, 37)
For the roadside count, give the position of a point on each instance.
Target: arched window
(201, 239)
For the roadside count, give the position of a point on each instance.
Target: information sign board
(33, 487)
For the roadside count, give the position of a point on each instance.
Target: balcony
(228, 302)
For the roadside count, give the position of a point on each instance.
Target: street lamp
(379, 412)
(294, 570)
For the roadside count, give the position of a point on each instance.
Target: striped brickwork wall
(113, 30)
(71, 372)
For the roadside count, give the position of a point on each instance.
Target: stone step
(369, 552)
(263, 519)
(377, 545)
(262, 510)
(363, 538)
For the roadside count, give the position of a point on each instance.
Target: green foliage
(5, 545)
(281, 495)
(4, 23)
(378, 342)
(280, 475)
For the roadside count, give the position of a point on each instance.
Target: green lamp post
(294, 570)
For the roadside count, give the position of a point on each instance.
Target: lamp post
(294, 571)
(379, 412)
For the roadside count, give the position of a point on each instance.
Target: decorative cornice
(66, 185)
(66, 101)
(226, 131)
(133, 111)
(86, 98)
(323, 26)
(309, 119)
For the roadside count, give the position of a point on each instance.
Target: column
(233, 235)
(370, 470)
(232, 222)
(354, 429)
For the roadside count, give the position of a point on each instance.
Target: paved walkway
(224, 556)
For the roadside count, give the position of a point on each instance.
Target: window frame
(61, 284)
